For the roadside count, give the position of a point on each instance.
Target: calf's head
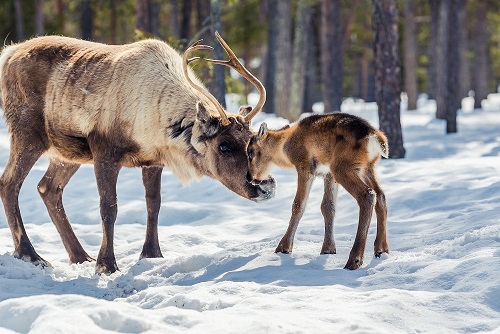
(223, 140)
(259, 158)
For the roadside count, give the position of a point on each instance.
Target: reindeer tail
(377, 145)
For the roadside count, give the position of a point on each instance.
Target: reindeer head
(223, 140)
(260, 157)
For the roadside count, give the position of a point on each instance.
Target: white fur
(374, 147)
(322, 169)
(4, 56)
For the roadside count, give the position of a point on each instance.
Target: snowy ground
(219, 273)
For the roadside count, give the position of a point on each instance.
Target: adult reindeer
(135, 105)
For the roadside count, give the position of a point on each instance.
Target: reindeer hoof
(378, 253)
(28, 254)
(284, 246)
(43, 263)
(328, 250)
(283, 249)
(103, 267)
(354, 264)
(81, 258)
(150, 253)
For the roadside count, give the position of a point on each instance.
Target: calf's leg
(299, 203)
(350, 179)
(381, 243)
(328, 207)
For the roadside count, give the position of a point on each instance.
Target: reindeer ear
(209, 124)
(262, 134)
(245, 110)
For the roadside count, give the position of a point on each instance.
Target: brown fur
(342, 147)
(113, 106)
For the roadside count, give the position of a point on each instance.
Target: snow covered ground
(219, 273)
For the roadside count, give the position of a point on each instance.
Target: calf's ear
(262, 134)
(209, 124)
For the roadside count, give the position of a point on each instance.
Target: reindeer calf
(342, 147)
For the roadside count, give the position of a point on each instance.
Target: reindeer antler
(235, 64)
(194, 47)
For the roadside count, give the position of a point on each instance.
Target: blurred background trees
(304, 51)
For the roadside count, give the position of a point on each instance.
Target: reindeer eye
(224, 148)
(250, 155)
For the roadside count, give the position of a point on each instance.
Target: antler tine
(185, 61)
(235, 64)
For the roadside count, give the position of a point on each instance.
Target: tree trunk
(203, 25)
(147, 12)
(312, 74)
(388, 73)
(155, 17)
(454, 96)
(87, 20)
(112, 21)
(432, 50)
(365, 68)
(441, 59)
(282, 83)
(141, 15)
(174, 19)
(303, 30)
(480, 54)
(203, 19)
(19, 21)
(465, 73)
(331, 54)
(39, 18)
(60, 17)
(410, 54)
(185, 26)
(218, 84)
(271, 59)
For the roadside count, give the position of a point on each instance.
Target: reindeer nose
(249, 177)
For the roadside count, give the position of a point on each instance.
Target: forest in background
(304, 51)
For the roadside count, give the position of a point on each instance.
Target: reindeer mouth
(266, 189)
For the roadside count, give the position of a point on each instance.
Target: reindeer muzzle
(266, 189)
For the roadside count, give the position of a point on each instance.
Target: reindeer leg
(151, 177)
(23, 155)
(350, 179)
(381, 244)
(328, 207)
(106, 172)
(51, 188)
(299, 203)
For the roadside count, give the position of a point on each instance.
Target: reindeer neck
(276, 140)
